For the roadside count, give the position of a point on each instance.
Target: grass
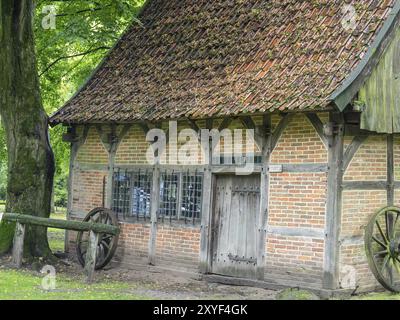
(22, 285)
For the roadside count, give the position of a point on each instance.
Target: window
(181, 196)
(132, 194)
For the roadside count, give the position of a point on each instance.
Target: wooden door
(234, 225)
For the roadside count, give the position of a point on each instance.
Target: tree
(65, 56)
(30, 157)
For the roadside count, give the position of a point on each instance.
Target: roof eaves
(342, 96)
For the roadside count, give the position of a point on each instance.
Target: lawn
(23, 285)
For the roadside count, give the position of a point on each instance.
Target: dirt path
(156, 284)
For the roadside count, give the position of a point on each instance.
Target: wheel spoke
(384, 265)
(389, 225)
(381, 232)
(379, 242)
(380, 253)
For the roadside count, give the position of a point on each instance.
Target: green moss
(6, 236)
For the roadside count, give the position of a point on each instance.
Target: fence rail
(94, 229)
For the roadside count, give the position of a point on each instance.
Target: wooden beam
(155, 202)
(318, 126)
(225, 123)
(351, 150)
(262, 217)
(302, 167)
(364, 185)
(75, 146)
(248, 122)
(279, 129)
(333, 204)
(206, 213)
(18, 246)
(90, 259)
(61, 224)
(390, 170)
(193, 125)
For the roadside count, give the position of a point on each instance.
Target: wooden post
(333, 203)
(206, 211)
(155, 201)
(390, 171)
(90, 261)
(74, 152)
(18, 247)
(265, 146)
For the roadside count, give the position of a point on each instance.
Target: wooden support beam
(364, 185)
(390, 170)
(61, 224)
(75, 146)
(334, 203)
(351, 150)
(225, 123)
(18, 246)
(90, 259)
(155, 202)
(262, 217)
(248, 122)
(206, 213)
(279, 129)
(318, 126)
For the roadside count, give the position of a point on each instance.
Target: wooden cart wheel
(107, 243)
(382, 243)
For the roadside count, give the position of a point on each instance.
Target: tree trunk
(30, 158)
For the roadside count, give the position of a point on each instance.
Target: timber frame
(332, 136)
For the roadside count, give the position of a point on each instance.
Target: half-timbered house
(317, 82)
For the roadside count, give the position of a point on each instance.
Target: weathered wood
(318, 126)
(61, 224)
(262, 216)
(280, 128)
(304, 167)
(248, 122)
(72, 166)
(225, 123)
(364, 185)
(111, 143)
(333, 205)
(351, 150)
(207, 205)
(155, 202)
(297, 232)
(18, 245)
(390, 170)
(90, 261)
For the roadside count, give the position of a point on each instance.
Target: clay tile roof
(205, 58)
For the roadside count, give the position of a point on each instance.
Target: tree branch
(72, 56)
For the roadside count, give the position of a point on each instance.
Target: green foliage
(66, 56)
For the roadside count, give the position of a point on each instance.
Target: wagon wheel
(382, 243)
(107, 242)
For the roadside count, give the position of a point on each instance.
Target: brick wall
(368, 164)
(297, 205)
(87, 190)
(178, 246)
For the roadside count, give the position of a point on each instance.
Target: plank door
(234, 225)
